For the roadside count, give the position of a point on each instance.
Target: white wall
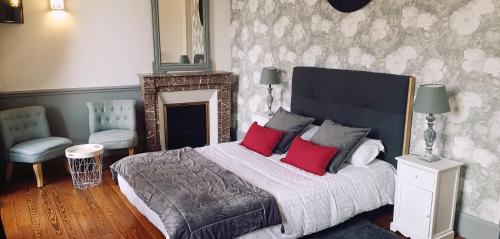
(220, 41)
(95, 43)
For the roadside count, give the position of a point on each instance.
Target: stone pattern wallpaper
(452, 42)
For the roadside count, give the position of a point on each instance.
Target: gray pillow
(289, 122)
(344, 138)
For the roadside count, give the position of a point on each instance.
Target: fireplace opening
(186, 124)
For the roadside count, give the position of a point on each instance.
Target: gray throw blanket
(195, 197)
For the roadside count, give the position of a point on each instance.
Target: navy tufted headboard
(382, 102)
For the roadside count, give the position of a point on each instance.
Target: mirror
(181, 37)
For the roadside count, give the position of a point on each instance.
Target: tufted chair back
(22, 124)
(111, 114)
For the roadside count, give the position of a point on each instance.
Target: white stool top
(84, 151)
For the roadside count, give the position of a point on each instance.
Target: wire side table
(85, 164)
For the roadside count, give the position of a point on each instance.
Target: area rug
(354, 229)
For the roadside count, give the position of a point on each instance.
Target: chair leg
(130, 151)
(66, 166)
(37, 167)
(8, 172)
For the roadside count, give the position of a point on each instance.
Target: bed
(309, 203)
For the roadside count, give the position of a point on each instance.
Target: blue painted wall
(66, 110)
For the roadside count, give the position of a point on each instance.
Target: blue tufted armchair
(112, 124)
(26, 138)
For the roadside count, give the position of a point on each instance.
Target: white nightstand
(425, 197)
(260, 118)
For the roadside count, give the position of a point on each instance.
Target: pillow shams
(344, 138)
(309, 132)
(291, 123)
(366, 152)
(262, 140)
(309, 157)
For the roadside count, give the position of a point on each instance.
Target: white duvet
(308, 203)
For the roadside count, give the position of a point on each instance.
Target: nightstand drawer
(416, 176)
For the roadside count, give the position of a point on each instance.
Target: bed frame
(382, 102)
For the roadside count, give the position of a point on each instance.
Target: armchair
(26, 139)
(112, 124)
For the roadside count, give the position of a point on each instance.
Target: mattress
(308, 203)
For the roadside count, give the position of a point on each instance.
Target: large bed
(309, 203)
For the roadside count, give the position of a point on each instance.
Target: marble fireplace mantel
(154, 84)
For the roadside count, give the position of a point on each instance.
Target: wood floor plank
(119, 222)
(8, 216)
(82, 215)
(91, 205)
(150, 228)
(46, 230)
(55, 220)
(25, 231)
(28, 223)
(118, 214)
(66, 213)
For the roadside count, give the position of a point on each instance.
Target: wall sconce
(57, 5)
(14, 3)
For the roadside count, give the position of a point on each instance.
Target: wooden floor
(59, 211)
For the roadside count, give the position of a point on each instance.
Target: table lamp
(431, 99)
(270, 76)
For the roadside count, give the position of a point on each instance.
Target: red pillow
(309, 157)
(261, 139)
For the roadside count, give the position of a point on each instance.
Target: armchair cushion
(39, 150)
(114, 138)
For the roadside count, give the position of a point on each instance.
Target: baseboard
(471, 227)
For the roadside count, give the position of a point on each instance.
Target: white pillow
(309, 132)
(366, 152)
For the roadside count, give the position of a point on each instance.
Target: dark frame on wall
(158, 65)
(10, 13)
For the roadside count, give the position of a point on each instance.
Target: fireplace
(186, 124)
(167, 94)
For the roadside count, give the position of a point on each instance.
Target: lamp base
(269, 101)
(429, 157)
(270, 113)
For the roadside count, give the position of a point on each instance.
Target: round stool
(85, 164)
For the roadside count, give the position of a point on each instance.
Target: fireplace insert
(186, 124)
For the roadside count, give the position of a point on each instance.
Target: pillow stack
(344, 138)
(320, 149)
(292, 124)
